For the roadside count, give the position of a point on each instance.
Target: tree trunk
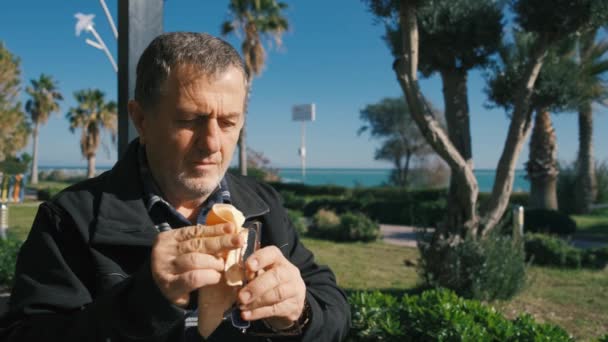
(406, 168)
(34, 178)
(542, 164)
(91, 166)
(519, 128)
(585, 191)
(406, 68)
(243, 136)
(243, 151)
(457, 118)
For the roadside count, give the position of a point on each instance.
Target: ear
(137, 115)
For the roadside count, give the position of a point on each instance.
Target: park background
(333, 55)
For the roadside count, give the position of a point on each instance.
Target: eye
(227, 123)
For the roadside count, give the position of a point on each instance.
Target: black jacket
(83, 274)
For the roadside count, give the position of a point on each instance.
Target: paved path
(406, 236)
(398, 235)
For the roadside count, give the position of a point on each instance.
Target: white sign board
(305, 112)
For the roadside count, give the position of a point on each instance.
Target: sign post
(303, 113)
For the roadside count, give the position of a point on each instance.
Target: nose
(209, 136)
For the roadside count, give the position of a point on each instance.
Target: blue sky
(332, 55)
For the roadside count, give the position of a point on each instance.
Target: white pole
(91, 28)
(303, 150)
(109, 16)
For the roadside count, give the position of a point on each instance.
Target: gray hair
(211, 55)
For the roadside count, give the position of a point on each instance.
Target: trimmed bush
(325, 225)
(337, 205)
(546, 250)
(346, 227)
(298, 220)
(293, 201)
(439, 315)
(548, 221)
(595, 258)
(311, 190)
(9, 249)
(485, 269)
(358, 227)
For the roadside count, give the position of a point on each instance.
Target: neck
(189, 209)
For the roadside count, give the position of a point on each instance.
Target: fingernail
(245, 295)
(246, 314)
(253, 264)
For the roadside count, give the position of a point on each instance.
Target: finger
(193, 280)
(200, 230)
(211, 245)
(264, 258)
(282, 309)
(193, 261)
(263, 283)
(275, 295)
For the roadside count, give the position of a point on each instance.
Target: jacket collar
(123, 218)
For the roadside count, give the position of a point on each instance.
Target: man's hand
(277, 294)
(189, 258)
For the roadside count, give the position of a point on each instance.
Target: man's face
(191, 135)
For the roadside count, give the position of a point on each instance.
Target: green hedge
(390, 205)
(548, 221)
(439, 315)
(546, 250)
(9, 249)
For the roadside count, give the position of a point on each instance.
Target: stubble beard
(199, 185)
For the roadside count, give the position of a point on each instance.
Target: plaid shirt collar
(163, 214)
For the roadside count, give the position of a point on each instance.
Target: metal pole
(139, 21)
(303, 150)
(3, 220)
(518, 221)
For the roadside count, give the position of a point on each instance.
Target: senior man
(119, 257)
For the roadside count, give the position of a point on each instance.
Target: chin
(200, 185)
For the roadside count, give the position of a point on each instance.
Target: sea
(347, 177)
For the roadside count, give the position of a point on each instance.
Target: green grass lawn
(593, 226)
(577, 300)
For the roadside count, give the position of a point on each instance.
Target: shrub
(546, 250)
(293, 201)
(595, 258)
(551, 251)
(298, 220)
(601, 174)
(482, 268)
(9, 249)
(603, 338)
(346, 227)
(548, 221)
(338, 205)
(325, 225)
(311, 190)
(358, 227)
(439, 315)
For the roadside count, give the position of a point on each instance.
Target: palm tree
(593, 88)
(92, 114)
(44, 101)
(254, 21)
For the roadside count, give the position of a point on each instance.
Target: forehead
(188, 86)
